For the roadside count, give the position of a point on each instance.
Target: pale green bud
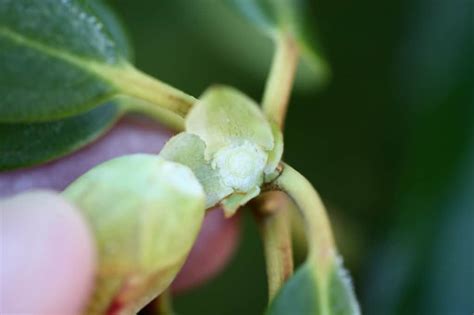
(229, 145)
(240, 165)
(145, 213)
(224, 115)
(188, 149)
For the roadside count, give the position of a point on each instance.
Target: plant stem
(165, 117)
(271, 209)
(280, 79)
(163, 304)
(321, 247)
(272, 215)
(155, 95)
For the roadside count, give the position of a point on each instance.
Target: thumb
(48, 256)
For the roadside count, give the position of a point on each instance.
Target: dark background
(388, 142)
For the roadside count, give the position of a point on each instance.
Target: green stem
(280, 79)
(154, 95)
(321, 246)
(165, 117)
(163, 305)
(271, 210)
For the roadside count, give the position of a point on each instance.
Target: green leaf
(58, 61)
(299, 296)
(26, 144)
(304, 295)
(62, 58)
(342, 300)
(288, 17)
(321, 286)
(113, 26)
(145, 214)
(51, 53)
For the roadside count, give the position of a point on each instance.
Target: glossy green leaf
(303, 295)
(145, 214)
(58, 61)
(51, 54)
(288, 17)
(25, 144)
(113, 26)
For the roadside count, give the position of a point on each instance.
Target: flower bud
(229, 145)
(145, 213)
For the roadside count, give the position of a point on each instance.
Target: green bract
(229, 145)
(145, 213)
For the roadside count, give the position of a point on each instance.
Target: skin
(52, 278)
(48, 255)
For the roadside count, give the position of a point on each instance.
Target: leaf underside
(303, 294)
(299, 296)
(25, 144)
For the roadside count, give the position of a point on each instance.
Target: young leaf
(145, 213)
(342, 300)
(287, 17)
(25, 144)
(301, 295)
(49, 54)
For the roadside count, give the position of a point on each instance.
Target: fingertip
(48, 255)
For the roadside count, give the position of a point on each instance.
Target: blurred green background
(388, 142)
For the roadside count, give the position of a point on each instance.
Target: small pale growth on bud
(241, 165)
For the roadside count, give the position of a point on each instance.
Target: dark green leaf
(292, 17)
(52, 55)
(299, 296)
(303, 294)
(113, 25)
(24, 144)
